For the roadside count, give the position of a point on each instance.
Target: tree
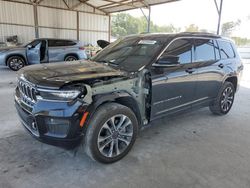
(123, 24)
(228, 27)
(192, 28)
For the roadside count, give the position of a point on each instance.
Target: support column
(109, 28)
(219, 11)
(149, 18)
(36, 21)
(77, 26)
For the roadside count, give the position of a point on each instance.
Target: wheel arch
(71, 54)
(122, 98)
(19, 55)
(233, 80)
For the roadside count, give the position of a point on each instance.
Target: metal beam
(77, 26)
(36, 21)
(65, 4)
(219, 10)
(149, 18)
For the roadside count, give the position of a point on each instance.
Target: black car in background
(131, 82)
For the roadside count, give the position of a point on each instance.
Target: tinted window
(226, 50)
(204, 50)
(181, 49)
(217, 50)
(61, 43)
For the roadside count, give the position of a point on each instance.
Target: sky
(201, 13)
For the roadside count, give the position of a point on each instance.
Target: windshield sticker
(149, 42)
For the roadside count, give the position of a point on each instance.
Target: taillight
(81, 48)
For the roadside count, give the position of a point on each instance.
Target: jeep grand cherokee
(133, 81)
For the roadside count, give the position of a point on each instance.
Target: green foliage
(241, 41)
(192, 28)
(123, 24)
(228, 27)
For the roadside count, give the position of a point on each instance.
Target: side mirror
(29, 46)
(168, 61)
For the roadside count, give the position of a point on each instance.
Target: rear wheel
(15, 63)
(71, 58)
(224, 101)
(111, 133)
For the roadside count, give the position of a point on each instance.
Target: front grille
(28, 92)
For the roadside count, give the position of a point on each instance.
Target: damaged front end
(55, 109)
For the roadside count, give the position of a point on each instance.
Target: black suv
(131, 82)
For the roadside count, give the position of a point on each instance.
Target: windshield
(129, 54)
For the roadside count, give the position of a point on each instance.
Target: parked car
(130, 83)
(42, 51)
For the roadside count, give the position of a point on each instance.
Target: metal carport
(86, 20)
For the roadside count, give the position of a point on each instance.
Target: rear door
(210, 70)
(173, 88)
(56, 50)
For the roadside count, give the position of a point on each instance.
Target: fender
(120, 97)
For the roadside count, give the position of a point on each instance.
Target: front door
(173, 87)
(33, 52)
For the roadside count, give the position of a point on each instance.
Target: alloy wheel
(16, 63)
(115, 136)
(227, 99)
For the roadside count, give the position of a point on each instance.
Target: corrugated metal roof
(111, 6)
(101, 6)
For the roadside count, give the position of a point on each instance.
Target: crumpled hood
(55, 75)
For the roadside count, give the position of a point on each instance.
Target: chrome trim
(27, 92)
(35, 133)
(185, 104)
(167, 100)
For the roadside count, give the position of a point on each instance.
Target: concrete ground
(193, 150)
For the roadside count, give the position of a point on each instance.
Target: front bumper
(51, 122)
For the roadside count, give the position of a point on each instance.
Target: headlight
(58, 94)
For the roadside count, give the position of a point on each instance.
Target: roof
(174, 35)
(111, 6)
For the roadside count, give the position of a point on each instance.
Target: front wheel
(111, 133)
(15, 63)
(71, 58)
(224, 101)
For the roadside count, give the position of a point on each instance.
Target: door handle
(189, 70)
(221, 65)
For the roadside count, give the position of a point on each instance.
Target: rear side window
(181, 49)
(226, 49)
(204, 50)
(54, 43)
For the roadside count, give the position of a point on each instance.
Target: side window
(204, 50)
(52, 43)
(226, 50)
(34, 43)
(69, 43)
(181, 50)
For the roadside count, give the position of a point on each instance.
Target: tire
(99, 138)
(15, 63)
(70, 58)
(224, 101)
